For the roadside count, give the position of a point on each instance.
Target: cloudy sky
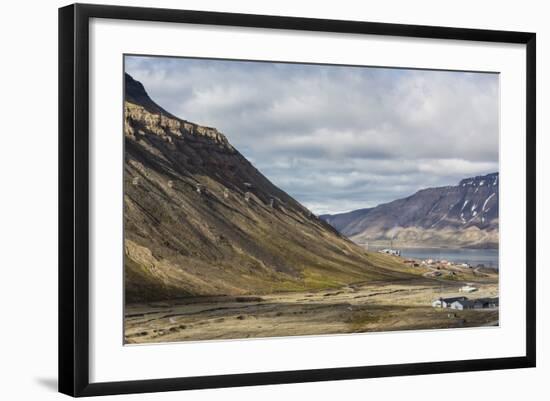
(337, 138)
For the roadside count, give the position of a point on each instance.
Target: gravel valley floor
(360, 307)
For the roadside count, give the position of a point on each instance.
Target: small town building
(438, 303)
(447, 302)
(390, 251)
(462, 304)
(486, 303)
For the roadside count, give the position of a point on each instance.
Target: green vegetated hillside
(201, 220)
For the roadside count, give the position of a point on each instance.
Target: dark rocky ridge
(465, 215)
(202, 220)
(135, 93)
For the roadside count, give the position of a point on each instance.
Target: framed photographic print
(250, 199)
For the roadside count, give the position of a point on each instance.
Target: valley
(402, 303)
(214, 250)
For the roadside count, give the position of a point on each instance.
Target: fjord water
(474, 257)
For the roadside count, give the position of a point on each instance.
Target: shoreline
(418, 246)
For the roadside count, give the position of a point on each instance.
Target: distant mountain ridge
(465, 215)
(341, 220)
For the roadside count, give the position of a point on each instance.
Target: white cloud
(338, 137)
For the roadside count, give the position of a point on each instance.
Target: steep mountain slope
(341, 220)
(465, 215)
(201, 220)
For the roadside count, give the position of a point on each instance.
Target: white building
(462, 304)
(467, 288)
(389, 251)
(447, 302)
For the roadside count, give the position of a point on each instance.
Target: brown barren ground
(356, 308)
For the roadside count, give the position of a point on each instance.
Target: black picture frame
(74, 198)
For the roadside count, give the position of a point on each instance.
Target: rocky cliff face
(201, 220)
(465, 215)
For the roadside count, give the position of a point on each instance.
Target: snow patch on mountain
(487, 201)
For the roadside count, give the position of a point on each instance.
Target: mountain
(200, 219)
(341, 220)
(465, 215)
